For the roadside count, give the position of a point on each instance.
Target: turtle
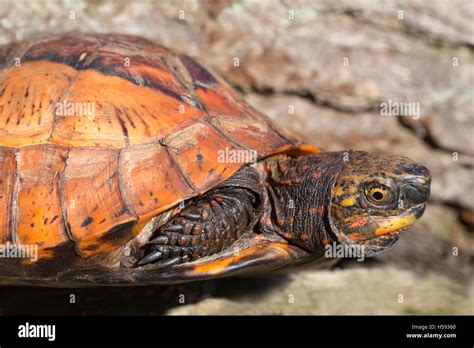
(123, 162)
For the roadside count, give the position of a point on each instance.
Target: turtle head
(377, 197)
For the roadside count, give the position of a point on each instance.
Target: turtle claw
(150, 258)
(159, 240)
(165, 263)
(191, 216)
(173, 228)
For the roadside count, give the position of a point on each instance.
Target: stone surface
(360, 291)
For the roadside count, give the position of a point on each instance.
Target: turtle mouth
(378, 232)
(386, 230)
(393, 225)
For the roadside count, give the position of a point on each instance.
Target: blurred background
(320, 69)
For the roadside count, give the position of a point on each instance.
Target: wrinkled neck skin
(299, 192)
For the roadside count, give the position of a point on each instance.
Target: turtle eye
(377, 193)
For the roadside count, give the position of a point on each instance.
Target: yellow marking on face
(339, 191)
(349, 201)
(394, 224)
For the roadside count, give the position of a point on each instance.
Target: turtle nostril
(416, 194)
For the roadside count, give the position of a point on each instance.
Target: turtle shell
(99, 133)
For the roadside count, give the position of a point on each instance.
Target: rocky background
(320, 69)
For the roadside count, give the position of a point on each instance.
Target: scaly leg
(207, 226)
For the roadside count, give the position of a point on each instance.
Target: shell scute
(92, 197)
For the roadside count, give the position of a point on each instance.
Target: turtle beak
(416, 190)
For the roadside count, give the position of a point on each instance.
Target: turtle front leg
(207, 226)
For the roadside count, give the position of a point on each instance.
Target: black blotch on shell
(87, 221)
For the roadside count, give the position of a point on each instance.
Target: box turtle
(122, 162)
